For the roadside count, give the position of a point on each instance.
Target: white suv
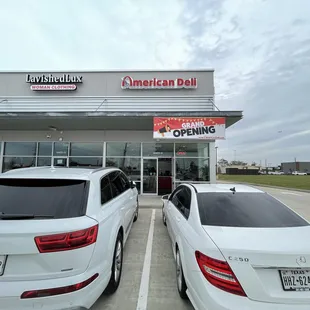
(62, 232)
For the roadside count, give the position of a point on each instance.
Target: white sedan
(238, 248)
(62, 233)
(299, 173)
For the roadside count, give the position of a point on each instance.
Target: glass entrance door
(150, 180)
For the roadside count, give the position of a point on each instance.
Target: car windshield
(46, 198)
(245, 210)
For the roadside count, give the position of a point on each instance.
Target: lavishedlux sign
(129, 82)
(46, 82)
(208, 128)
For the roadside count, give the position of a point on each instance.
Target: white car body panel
(267, 250)
(28, 269)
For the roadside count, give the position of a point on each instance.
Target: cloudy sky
(260, 51)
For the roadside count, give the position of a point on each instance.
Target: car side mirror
(133, 184)
(165, 197)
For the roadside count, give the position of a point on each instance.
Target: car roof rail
(103, 169)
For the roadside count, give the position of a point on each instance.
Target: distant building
(301, 166)
(248, 170)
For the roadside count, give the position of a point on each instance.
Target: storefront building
(160, 127)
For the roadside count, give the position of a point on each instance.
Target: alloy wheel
(118, 261)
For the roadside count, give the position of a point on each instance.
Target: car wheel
(137, 211)
(117, 266)
(181, 284)
(164, 217)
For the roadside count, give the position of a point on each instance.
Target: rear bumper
(205, 296)
(83, 299)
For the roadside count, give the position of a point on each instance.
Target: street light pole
(216, 161)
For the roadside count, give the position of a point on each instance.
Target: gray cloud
(261, 53)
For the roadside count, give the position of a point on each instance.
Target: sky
(260, 51)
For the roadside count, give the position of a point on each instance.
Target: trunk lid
(36, 207)
(256, 256)
(22, 259)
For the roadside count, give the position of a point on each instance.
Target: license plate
(295, 279)
(2, 263)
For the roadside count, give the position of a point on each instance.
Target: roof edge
(109, 71)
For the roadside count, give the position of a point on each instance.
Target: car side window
(105, 188)
(174, 199)
(125, 181)
(182, 201)
(116, 184)
(184, 197)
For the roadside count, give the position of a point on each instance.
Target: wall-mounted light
(48, 136)
(52, 128)
(60, 139)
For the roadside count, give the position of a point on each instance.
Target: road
(158, 288)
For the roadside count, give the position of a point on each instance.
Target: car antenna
(233, 189)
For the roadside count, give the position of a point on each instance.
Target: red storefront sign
(129, 82)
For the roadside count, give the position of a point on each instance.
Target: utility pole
(295, 164)
(216, 160)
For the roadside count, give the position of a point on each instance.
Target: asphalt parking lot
(148, 279)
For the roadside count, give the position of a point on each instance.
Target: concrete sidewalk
(150, 202)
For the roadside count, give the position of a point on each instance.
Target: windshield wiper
(8, 216)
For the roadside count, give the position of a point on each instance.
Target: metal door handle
(178, 219)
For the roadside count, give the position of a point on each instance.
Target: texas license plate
(2, 263)
(295, 279)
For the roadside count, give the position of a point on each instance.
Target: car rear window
(245, 210)
(46, 197)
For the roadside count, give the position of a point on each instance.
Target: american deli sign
(49, 82)
(129, 82)
(207, 128)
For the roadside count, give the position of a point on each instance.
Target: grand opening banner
(207, 128)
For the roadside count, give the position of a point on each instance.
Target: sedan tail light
(58, 290)
(67, 241)
(219, 274)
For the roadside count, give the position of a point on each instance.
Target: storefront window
(86, 149)
(123, 149)
(131, 166)
(158, 149)
(192, 169)
(85, 162)
(20, 148)
(10, 163)
(44, 161)
(61, 148)
(45, 148)
(192, 150)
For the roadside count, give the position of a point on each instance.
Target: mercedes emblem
(301, 260)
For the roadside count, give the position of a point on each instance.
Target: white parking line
(291, 193)
(145, 278)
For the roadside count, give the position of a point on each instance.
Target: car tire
(181, 284)
(164, 217)
(136, 212)
(117, 266)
